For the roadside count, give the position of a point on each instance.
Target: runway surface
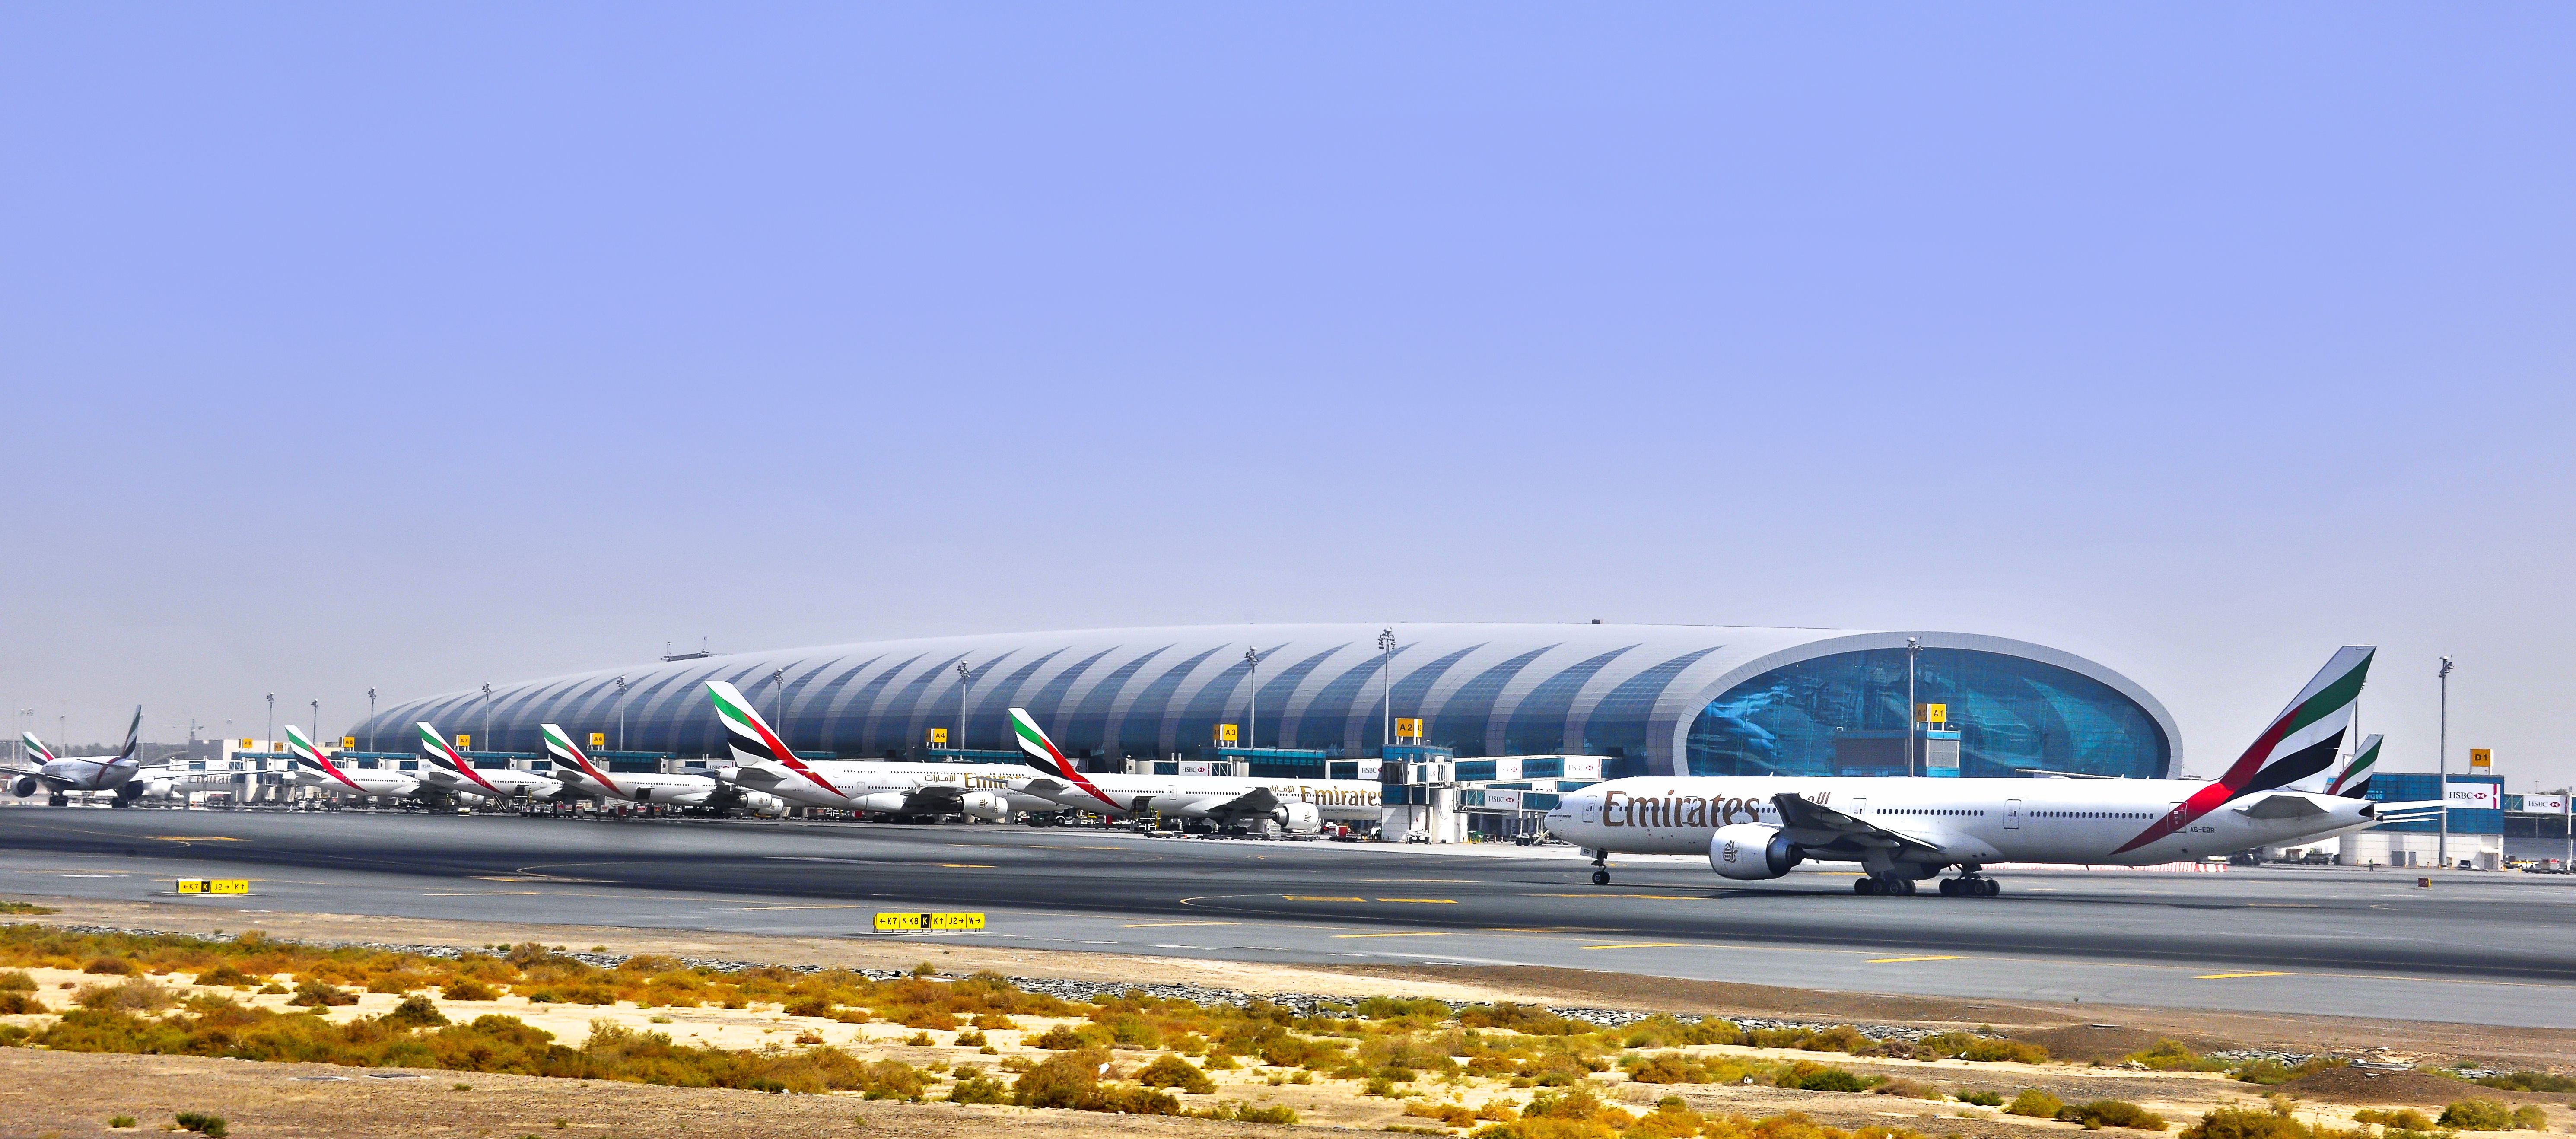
(2475, 948)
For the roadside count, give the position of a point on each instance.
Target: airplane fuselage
(1952, 821)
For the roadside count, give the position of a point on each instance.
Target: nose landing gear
(1600, 868)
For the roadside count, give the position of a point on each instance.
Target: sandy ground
(73, 1094)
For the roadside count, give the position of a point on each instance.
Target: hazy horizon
(416, 348)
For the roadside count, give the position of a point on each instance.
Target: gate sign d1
(928, 923)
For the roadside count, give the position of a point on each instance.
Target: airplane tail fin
(1033, 740)
(2353, 782)
(436, 747)
(37, 752)
(133, 737)
(565, 753)
(301, 752)
(751, 738)
(749, 735)
(2304, 738)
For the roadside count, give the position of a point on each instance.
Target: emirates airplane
(121, 773)
(582, 777)
(314, 769)
(1902, 831)
(449, 770)
(763, 763)
(1300, 806)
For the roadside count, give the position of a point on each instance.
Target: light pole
(1252, 717)
(2442, 782)
(487, 715)
(777, 697)
(271, 741)
(317, 724)
(1913, 648)
(965, 683)
(621, 713)
(1386, 689)
(26, 723)
(371, 719)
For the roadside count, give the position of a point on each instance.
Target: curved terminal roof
(1485, 689)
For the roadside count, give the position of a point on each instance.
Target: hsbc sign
(2472, 796)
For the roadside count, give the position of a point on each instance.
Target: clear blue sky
(418, 346)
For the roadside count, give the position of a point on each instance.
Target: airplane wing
(1814, 824)
(935, 799)
(49, 781)
(1258, 801)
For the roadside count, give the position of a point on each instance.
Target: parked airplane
(764, 763)
(581, 776)
(448, 770)
(1904, 830)
(121, 773)
(1298, 805)
(314, 769)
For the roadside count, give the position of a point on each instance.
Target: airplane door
(1857, 808)
(2012, 814)
(1591, 808)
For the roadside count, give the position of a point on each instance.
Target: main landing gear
(1883, 884)
(1970, 886)
(1600, 868)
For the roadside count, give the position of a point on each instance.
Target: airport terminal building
(1654, 699)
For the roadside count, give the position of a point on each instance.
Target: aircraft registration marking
(1899, 960)
(2233, 976)
(1640, 945)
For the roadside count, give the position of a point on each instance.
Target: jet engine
(987, 806)
(1750, 852)
(1298, 818)
(23, 786)
(764, 806)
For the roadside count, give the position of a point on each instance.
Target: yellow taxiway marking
(2232, 976)
(1161, 924)
(1426, 933)
(479, 893)
(1318, 898)
(1424, 901)
(1639, 945)
(195, 838)
(969, 865)
(1898, 960)
(814, 906)
(1648, 897)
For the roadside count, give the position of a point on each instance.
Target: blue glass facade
(1659, 699)
(1843, 713)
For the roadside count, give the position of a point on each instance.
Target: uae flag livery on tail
(2301, 742)
(2354, 781)
(751, 739)
(561, 749)
(440, 754)
(1044, 756)
(300, 751)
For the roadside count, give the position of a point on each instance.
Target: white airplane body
(121, 774)
(1902, 830)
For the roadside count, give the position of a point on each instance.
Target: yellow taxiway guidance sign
(930, 923)
(214, 885)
